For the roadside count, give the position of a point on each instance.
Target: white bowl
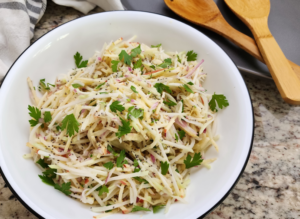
(53, 54)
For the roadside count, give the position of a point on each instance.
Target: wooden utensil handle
(280, 69)
(244, 42)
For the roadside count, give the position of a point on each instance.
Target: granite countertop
(270, 184)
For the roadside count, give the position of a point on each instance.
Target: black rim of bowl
(252, 138)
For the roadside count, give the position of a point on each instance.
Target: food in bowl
(122, 130)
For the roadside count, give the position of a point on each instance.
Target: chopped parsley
(114, 65)
(135, 163)
(190, 83)
(164, 167)
(77, 85)
(44, 86)
(111, 150)
(47, 180)
(195, 162)
(136, 51)
(65, 188)
(156, 208)
(160, 87)
(179, 60)
(42, 163)
(138, 208)
(152, 66)
(126, 57)
(140, 179)
(109, 165)
(120, 159)
(157, 46)
(71, 124)
(102, 189)
(191, 56)
(78, 61)
(136, 113)
(133, 89)
(116, 106)
(100, 85)
(169, 102)
(124, 129)
(176, 137)
(138, 64)
(58, 128)
(188, 89)
(221, 101)
(47, 116)
(167, 62)
(182, 105)
(103, 93)
(181, 134)
(35, 113)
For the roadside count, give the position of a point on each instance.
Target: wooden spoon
(207, 14)
(255, 14)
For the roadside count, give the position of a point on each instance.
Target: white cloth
(19, 17)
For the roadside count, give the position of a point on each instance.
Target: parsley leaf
(152, 66)
(102, 189)
(156, 208)
(58, 128)
(111, 150)
(100, 85)
(177, 170)
(71, 124)
(190, 83)
(65, 188)
(109, 165)
(136, 51)
(50, 173)
(160, 87)
(124, 55)
(78, 62)
(114, 65)
(42, 163)
(135, 163)
(166, 63)
(133, 89)
(34, 113)
(136, 113)
(141, 180)
(120, 159)
(76, 85)
(191, 56)
(157, 46)
(195, 162)
(116, 106)
(221, 101)
(138, 208)
(179, 60)
(169, 102)
(47, 180)
(176, 137)
(125, 129)
(181, 134)
(47, 116)
(138, 64)
(44, 86)
(182, 105)
(188, 89)
(164, 167)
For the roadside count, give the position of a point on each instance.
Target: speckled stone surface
(270, 184)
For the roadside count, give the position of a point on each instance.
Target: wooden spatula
(255, 14)
(207, 14)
